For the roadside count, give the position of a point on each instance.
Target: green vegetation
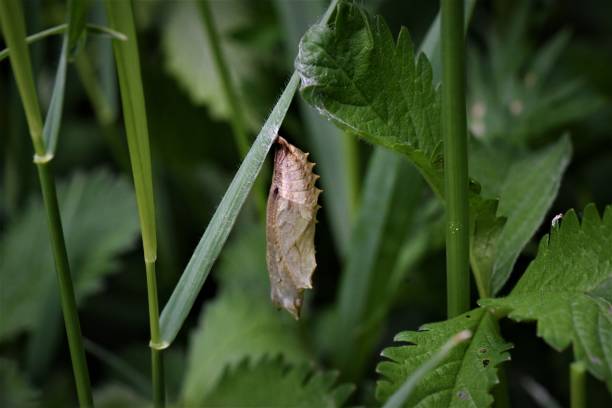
(160, 118)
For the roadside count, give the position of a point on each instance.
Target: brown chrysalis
(290, 227)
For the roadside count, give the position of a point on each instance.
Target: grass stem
(67, 296)
(455, 157)
(577, 385)
(121, 18)
(13, 29)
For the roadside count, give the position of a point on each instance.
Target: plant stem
(13, 28)
(237, 115)
(157, 366)
(67, 297)
(455, 157)
(578, 385)
(121, 18)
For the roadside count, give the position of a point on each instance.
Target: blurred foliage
(537, 70)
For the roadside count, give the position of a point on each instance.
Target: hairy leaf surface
(356, 74)
(567, 289)
(273, 383)
(463, 379)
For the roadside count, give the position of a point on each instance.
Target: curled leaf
(291, 218)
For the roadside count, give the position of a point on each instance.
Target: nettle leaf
(526, 184)
(354, 73)
(273, 383)
(463, 379)
(566, 289)
(100, 222)
(233, 327)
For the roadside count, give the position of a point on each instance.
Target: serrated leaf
(562, 290)
(357, 75)
(526, 185)
(463, 379)
(273, 383)
(233, 327)
(99, 221)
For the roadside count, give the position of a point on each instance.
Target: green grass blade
(77, 11)
(76, 25)
(176, 310)
(181, 301)
(13, 29)
(120, 15)
(53, 119)
(61, 28)
(401, 395)
(58, 29)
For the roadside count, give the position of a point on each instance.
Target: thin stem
(13, 28)
(455, 157)
(237, 115)
(67, 297)
(121, 18)
(578, 385)
(157, 366)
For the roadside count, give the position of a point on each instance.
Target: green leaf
(176, 310)
(393, 189)
(566, 289)
(233, 327)
(354, 73)
(401, 395)
(526, 185)
(77, 13)
(121, 18)
(189, 57)
(77, 10)
(61, 28)
(463, 379)
(14, 388)
(98, 214)
(273, 383)
(54, 114)
(513, 95)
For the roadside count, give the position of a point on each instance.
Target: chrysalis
(290, 228)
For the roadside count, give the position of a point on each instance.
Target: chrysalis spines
(290, 227)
